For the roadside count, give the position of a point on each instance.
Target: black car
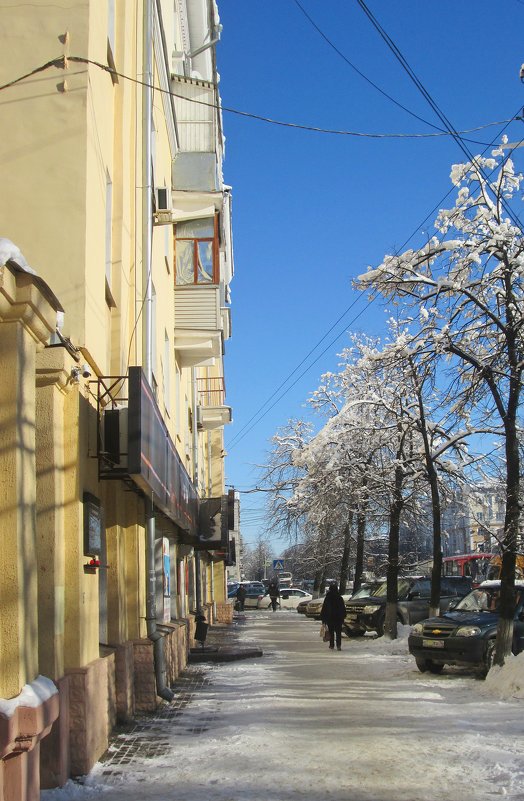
(465, 634)
(351, 626)
(368, 614)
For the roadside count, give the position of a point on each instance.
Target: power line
(257, 417)
(62, 61)
(365, 77)
(425, 93)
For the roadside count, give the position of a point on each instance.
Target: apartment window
(196, 249)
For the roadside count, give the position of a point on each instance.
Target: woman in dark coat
(333, 614)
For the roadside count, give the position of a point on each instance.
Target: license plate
(433, 643)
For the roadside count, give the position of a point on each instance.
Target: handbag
(324, 633)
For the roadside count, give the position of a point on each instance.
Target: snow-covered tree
(466, 285)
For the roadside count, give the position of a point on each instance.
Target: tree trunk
(390, 623)
(436, 572)
(361, 531)
(509, 546)
(346, 553)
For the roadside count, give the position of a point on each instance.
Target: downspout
(147, 287)
(194, 402)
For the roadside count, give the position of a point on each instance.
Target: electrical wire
(434, 105)
(62, 62)
(257, 417)
(362, 75)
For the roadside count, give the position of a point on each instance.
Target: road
(304, 722)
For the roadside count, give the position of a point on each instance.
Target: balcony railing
(211, 392)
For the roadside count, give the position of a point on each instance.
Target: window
(196, 252)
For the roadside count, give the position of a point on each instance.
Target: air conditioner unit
(163, 198)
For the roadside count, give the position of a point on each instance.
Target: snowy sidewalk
(305, 722)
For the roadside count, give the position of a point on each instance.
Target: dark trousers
(274, 603)
(335, 630)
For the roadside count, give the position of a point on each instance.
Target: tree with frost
(280, 477)
(353, 454)
(466, 285)
(441, 441)
(332, 492)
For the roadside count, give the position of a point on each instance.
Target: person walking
(241, 597)
(274, 593)
(333, 614)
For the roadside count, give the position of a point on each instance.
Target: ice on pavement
(305, 722)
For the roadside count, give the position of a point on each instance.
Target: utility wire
(359, 72)
(62, 63)
(438, 111)
(257, 417)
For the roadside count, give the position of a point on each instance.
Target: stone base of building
(224, 611)
(77, 724)
(20, 736)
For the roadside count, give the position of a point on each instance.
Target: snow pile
(507, 681)
(73, 791)
(32, 695)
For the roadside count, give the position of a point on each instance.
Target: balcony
(198, 323)
(212, 411)
(196, 166)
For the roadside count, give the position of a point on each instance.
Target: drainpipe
(194, 401)
(147, 232)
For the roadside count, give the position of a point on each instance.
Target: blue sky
(312, 210)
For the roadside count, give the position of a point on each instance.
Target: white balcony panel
(195, 120)
(226, 321)
(197, 307)
(197, 348)
(210, 417)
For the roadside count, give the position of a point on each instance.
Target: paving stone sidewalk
(146, 736)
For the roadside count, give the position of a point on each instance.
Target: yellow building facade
(115, 265)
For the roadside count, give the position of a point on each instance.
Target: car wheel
(380, 625)
(489, 656)
(427, 664)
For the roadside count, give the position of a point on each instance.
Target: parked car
(302, 605)
(368, 614)
(465, 634)
(290, 597)
(351, 627)
(254, 589)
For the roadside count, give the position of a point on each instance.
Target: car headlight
(418, 628)
(467, 631)
(370, 610)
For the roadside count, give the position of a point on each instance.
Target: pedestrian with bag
(333, 614)
(241, 597)
(274, 593)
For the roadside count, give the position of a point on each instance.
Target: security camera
(86, 371)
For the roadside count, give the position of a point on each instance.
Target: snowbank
(32, 695)
(507, 681)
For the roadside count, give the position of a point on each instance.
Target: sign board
(93, 524)
(278, 564)
(166, 579)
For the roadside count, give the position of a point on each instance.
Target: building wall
(71, 150)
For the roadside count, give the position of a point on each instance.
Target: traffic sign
(278, 564)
